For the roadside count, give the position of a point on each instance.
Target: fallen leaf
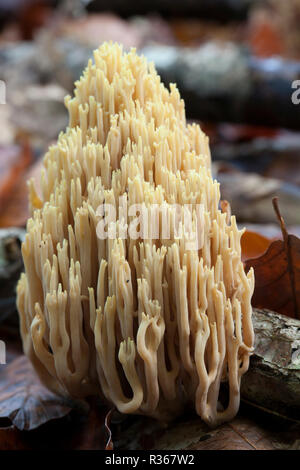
(277, 274)
(253, 244)
(24, 400)
(76, 431)
(240, 434)
(190, 433)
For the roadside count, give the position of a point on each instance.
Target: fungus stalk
(147, 323)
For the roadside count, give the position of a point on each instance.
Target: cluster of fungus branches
(147, 324)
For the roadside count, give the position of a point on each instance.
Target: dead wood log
(273, 379)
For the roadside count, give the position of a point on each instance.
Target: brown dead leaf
(190, 433)
(76, 431)
(277, 274)
(24, 400)
(253, 244)
(240, 434)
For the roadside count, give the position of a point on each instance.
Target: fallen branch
(273, 380)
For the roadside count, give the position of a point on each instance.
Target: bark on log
(273, 379)
(225, 83)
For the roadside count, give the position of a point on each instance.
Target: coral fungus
(145, 322)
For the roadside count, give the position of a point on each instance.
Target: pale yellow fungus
(147, 324)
